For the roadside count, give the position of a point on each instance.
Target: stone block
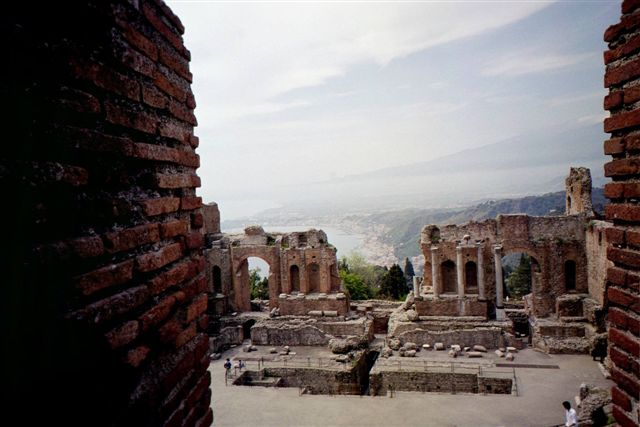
(479, 347)
(474, 354)
(438, 346)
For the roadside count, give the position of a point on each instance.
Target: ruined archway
(448, 277)
(521, 274)
(294, 278)
(313, 274)
(570, 275)
(216, 275)
(470, 278)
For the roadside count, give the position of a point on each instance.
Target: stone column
(497, 257)
(416, 286)
(435, 282)
(480, 265)
(460, 271)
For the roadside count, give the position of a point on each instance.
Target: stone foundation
(302, 305)
(451, 306)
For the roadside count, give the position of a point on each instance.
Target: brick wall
(103, 304)
(622, 78)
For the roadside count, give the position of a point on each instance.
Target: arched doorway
(449, 279)
(217, 279)
(314, 277)
(470, 278)
(570, 275)
(258, 278)
(294, 278)
(521, 273)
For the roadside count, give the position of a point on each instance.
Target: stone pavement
(540, 394)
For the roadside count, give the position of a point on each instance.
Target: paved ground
(541, 392)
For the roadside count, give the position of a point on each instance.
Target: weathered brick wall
(103, 304)
(622, 78)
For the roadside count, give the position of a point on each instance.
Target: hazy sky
(291, 93)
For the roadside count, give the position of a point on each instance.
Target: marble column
(435, 282)
(480, 265)
(460, 271)
(497, 257)
(416, 286)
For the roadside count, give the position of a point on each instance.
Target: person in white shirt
(570, 415)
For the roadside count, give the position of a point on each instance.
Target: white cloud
(530, 62)
(245, 55)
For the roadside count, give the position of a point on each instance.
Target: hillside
(405, 226)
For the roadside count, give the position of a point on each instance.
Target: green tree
(259, 285)
(393, 283)
(519, 281)
(408, 268)
(370, 274)
(355, 286)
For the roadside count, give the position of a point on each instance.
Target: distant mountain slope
(405, 226)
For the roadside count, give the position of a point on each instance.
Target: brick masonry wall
(103, 306)
(622, 78)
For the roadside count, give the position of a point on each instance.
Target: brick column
(622, 77)
(103, 271)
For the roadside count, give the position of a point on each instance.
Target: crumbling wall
(622, 77)
(103, 272)
(578, 189)
(597, 262)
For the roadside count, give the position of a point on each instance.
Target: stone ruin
(462, 295)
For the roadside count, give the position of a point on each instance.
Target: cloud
(568, 100)
(248, 55)
(529, 63)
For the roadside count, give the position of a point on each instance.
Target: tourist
(570, 415)
(227, 368)
(240, 365)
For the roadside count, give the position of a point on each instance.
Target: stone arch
(570, 275)
(313, 277)
(241, 297)
(536, 284)
(470, 278)
(294, 278)
(449, 281)
(216, 274)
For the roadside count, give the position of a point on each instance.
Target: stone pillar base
(500, 314)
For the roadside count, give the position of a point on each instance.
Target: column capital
(497, 248)
(459, 248)
(434, 248)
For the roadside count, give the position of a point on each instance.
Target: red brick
(130, 238)
(157, 314)
(625, 299)
(153, 97)
(191, 101)
(141, 42)
(624, 256)
(622, 418)
(203, 323)
(158, 259)
(197, 307)
(168, 332)
(185, 180)
(87, 247)
(629, 6)
(622, 120)
(111, 275)
(624, 320)
(183, 113)
(624, 340)
(142, 121)
(614, 235)
(174, 228)
(113, 306)
(175, 129)
(167, 33)
(137, 62)
(620, 358)
(626, 24)
(162, 205)
(137, 355)
(173, 19)
(614, 190)
(190, 203)
(105, 78)
(629, 46)
(632, 95)
(613, 100)
(621, 167)
(172, 277)
(176, 62)
(207, 420)
(625, 381)
(617, 276)
(632, 142)
(199, 264)
(195, 287)
(622, 212)
(189, 158)
(620, 398)
(197, 220)
(79, 101)
(123, 334)
(194, 141)
(163, 154)
(633, 238)
(185, 336)
(195, 240)
(622, 73)
(171, 89)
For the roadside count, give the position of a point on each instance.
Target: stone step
(573, 319)
(265, 382)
